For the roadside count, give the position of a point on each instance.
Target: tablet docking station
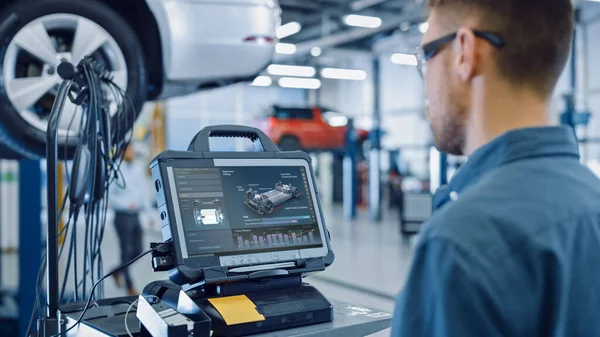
(236, 248)
(244, 308)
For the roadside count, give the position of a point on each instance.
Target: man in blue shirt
(513, 247)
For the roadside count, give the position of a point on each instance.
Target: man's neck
(496, 112)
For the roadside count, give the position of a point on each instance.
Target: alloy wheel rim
(33, 55)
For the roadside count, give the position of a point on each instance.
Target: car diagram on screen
(208, 217)
(265, 203)
(209, 203)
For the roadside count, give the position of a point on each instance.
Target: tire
(289, 143)
(269, 207)
(295, 192)
(8, 153)
(19, 133)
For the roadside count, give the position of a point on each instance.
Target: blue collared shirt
(513, 247)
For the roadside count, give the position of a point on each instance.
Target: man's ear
(466, 58)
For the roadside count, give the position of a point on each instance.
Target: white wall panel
(9, 204)
(402, 89)
(353, 98)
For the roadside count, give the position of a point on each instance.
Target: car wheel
(269, 207)
(289, 143)
(8, 153)
(34, 38)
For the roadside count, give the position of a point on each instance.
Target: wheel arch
(28, 141)
(289, 135)
(146, 29)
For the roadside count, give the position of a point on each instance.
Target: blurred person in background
(129, 198)
(396, 193)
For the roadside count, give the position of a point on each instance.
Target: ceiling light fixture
(405, 26)
(285, 48)
(344, 74)
(284, 70)
(316, 51)
(288, 29)
(300, 83)
(262, 81)
(404, 59)
(362, 21)
(424, 27)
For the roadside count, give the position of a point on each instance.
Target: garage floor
(371, 263)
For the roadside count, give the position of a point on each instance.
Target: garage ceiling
(323, 26)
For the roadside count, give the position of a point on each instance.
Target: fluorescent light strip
(299, 83)
(283, 70)
(288, 29)
(285, 48)
(316, 51)
(262, 81)
(404, 59)
(362, 21)
(344, 74)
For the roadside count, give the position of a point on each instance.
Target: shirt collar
(512, 146)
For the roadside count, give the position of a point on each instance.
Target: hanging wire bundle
(102, 139)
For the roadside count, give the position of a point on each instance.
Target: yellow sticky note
(236, 309)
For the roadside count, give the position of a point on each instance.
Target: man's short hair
(537, 33)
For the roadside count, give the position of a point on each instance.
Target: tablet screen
(232, 210)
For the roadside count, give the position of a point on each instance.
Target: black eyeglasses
(427, 51)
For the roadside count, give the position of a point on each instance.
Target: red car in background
(307, 128)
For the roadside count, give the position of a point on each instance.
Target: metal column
(30, 237)
(375, 152)
(349, 186)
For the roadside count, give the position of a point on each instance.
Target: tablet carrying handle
(261, 142)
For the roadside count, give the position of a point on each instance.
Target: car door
(295, 122)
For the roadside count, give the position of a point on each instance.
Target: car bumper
(206, 39)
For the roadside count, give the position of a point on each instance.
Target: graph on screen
(282, 238)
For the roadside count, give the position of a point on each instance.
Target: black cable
(93, 238)
(89, 301)
(95, 128)
(62, 292)
(65, 201)
(37, 299)
(85, 252)
(68, 267)
(66, 146)
(90, 130)
(40, 275)
(96, 79)
(104, 216)
(91, 241)
(124, 115)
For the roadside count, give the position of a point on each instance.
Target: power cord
(129, 309)
(101, 139)
(89, 301)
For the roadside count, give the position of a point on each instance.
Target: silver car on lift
(155, 49)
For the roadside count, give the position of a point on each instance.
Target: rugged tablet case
(208, 270)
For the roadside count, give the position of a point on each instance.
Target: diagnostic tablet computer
(242, 214)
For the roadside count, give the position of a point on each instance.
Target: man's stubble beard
(449, 129)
